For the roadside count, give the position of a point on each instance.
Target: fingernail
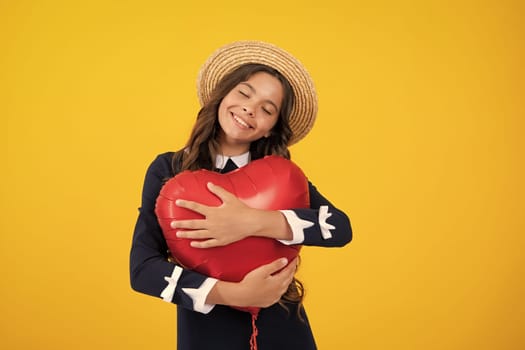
(284, 261)
(178, 202)
(173, 224)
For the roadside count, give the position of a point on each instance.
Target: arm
(150, 271)
(321, 225)
(261, 287)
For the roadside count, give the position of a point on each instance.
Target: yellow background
(417, 139)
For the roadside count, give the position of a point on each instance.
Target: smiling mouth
(241, 122)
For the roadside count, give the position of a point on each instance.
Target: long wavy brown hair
(203, 145)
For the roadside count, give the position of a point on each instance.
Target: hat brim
(229, 57)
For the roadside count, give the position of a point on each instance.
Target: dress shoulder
(162, 165)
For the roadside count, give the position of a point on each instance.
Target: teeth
(240, 121)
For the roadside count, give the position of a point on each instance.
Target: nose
(248, 110)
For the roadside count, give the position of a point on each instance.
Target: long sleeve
(150, 271)
(320, 225)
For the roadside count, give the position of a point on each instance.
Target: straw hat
(231, 56)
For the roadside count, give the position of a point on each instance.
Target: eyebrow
(255, 91)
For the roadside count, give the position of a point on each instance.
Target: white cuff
(199, 295)
(297, 225)
(325, 227)
(169, 291)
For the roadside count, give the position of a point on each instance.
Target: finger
(193, 206)
(274, 266)
(288, 272)
(219, 192)
(195, 224)
(210, 243)
(194, 234)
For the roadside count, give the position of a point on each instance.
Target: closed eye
(243, 93)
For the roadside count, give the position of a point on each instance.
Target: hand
(266, 285)
(262, 287)
(221, 225)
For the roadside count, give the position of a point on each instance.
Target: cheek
(221, 111)
(269, 124)
(272, 121)
(223, 106)
(221, 118)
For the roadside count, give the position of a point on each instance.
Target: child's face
(249, 111)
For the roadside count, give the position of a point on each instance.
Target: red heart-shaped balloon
(271, 183)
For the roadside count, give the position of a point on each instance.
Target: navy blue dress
(203, 327)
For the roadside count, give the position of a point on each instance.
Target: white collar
(240, 160)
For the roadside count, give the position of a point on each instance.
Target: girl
(256, 100)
